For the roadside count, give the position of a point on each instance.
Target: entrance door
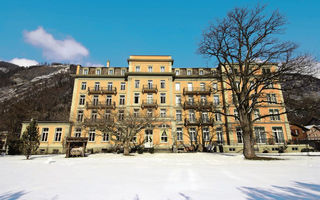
(148, 143)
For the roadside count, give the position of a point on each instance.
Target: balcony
(149, 89)
(197, 91)
(100, 105)
(190, 105)
(205, 105)
(149, 104)
(200, 105)
(206, 121)
(102, 90)
(92, 122)
(191, 122)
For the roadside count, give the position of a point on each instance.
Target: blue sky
(102, 30)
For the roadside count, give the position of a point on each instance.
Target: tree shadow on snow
(298, 191)
(12, 195)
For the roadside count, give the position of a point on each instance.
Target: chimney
(108, 63)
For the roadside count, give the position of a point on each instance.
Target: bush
(151, 150)
(140, 151)
(14, 146)
(281, 150)
(265, 151)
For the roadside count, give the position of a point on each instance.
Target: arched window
(164, 137)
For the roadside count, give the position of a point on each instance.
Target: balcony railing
(190, 105)
(149, 89)
(100, 105)
(149, 104)
(102, 90)
(197, 91)
(198, 122)
(95, 122)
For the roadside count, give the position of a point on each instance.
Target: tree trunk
(27, 156)
(126, 149)
(248, 141)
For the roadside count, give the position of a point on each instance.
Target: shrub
(265, 151)
(151, 150)
(140, 151)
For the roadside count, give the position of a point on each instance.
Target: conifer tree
(30, 139)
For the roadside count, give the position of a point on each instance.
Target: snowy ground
(159, 176)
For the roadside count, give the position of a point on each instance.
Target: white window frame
(44, 135)
(179, 134)
(58, 134)
(83, 85)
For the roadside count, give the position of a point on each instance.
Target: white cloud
(23, 62)
(89, 64)
(53, 49)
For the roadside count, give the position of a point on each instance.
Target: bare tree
(124, 127)
(244, 44)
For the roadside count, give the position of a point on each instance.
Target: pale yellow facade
(171, 93)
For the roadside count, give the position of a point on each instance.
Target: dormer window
(189, 72)
(162, 69)
(111, 72)
(123, 71)
(85, 71)
(200, 72)
(177, 72)
(98, 71)
(150, 69)
(137, 68)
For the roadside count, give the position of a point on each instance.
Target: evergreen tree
(30, 139)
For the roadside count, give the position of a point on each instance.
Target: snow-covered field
(159, 176)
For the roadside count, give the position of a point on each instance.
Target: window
(149, 99)
(260, 134)
(178, 115)
(205, 117)
(83, 85)
(217, 117)
(192, 116)
(80, 116)
(163, 98)
(239, 135)
(164, 137)
(192, 134)
(238, 85)
(177, 72)
(162, 84)
(271, 98)
(189, 72)
(269, 85)
(122, 100)
(44, 136)
(121, 114)
(150, 83)
(216, 100)
(94, 115)
(206, 134)
(266, 71)
(179, 134)
(58, 133)
(256, 113)
(98, 71)
(162, 113)
(200, 72)
(178, 100)
(274, 114)
(236, 114)
(97, 86)
(105, 137)
(278, 134)
(108, 115)
(150, 69)
(136, 112)
(77, 132)
(109, 86)
(219, 135)
(92, 134)
(82, 99)
(202, 86)
(190, 100)
(149, 113)
(137, 68)
(137, 83)
(95, 100)
(162, 69)
(189, 86)
(109, 100)
(215, 86)
(111, 72)
(85, 71)
(136, 97)
(123, 71)
(177, 86)
(123, 86)
(203, 99)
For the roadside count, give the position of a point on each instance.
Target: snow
(165, 176)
